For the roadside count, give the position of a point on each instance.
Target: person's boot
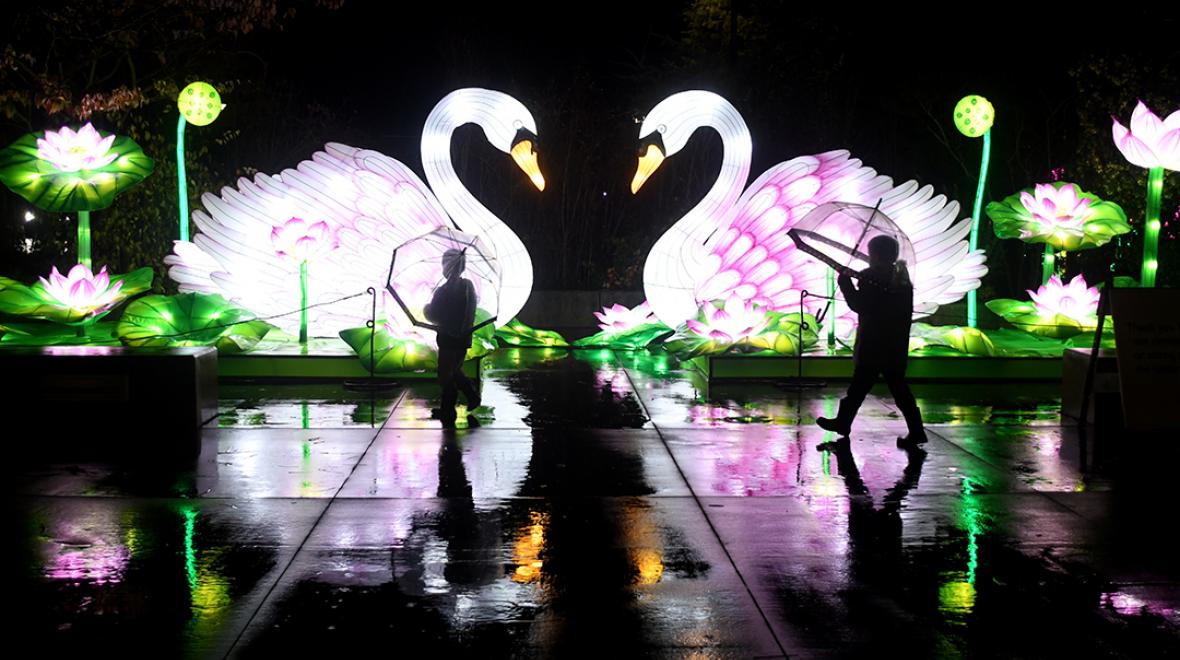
(841, 424)
(915, 432)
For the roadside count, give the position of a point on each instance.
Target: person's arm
(428, 310)
(851, 295)
(471, 302)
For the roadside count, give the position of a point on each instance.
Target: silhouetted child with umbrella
(452, 310)
(883, 303)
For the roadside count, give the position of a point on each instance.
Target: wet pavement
(603, 504)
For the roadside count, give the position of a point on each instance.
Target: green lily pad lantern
(1062, 216)
(76, 171)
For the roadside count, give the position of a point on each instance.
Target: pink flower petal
(102, 281)
(1068, 196)
(1137, 152)
(80, 271)
(1145, 125)
(1168, 150)
(1029, 202)
(82, 291)
(1172, 122)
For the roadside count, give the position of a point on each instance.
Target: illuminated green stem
(832, 318)
(972, 302)
(303, 303)
(84, 238)
(181, 179)
(1151, 232)
(1048, 264)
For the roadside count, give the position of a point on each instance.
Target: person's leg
(464, 384)
(862, 382)
(446, 379)
(904, 398)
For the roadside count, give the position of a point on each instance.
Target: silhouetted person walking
(884, 303)
(452, 309)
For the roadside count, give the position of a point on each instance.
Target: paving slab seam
(311, 530)
(692, 492)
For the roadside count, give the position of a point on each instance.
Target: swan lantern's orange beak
(526, 160)
(648, 163)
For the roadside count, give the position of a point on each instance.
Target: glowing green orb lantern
(974, 115)
(199, 103)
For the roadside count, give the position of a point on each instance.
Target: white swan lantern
(374, 203)
(736, 243)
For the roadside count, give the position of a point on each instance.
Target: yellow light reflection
(956, 596)
(648, 163)
(526, 159)
(526, 553)
(649, 564)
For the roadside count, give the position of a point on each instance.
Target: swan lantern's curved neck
(500, 117)
(676, 261)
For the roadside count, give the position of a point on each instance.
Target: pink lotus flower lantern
(1151, 141)
(71, 151)
(303, 241)
(1075, 300)
(618, 318)
(734, 321)
(82, 291)
(1056, 310)
(1055, 211)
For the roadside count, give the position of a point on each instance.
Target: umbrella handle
(797, 236)
(402, 304)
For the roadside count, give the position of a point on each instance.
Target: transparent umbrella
(838, 233)
(416, 271)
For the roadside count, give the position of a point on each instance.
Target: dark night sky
(881, 84)
(386, 64)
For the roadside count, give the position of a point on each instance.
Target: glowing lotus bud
(82, 291)
(302, 241)
(72, 152)
(1150, 142)
(735, 320)
(1075, 300)
(618, 318)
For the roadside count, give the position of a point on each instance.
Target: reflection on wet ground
(606, 503)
